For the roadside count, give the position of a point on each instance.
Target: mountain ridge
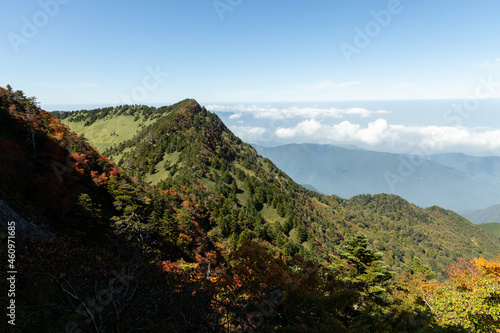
(176, 145)
(224, 240)
(425, 181)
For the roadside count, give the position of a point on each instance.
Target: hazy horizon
(404, 75)
(423, 127)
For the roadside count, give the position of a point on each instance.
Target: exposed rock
(25, 226)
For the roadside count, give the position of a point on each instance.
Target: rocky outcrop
(24, 226)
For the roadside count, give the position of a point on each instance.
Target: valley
(453, 181)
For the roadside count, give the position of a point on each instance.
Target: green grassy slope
(110, 126)
(111, 130)
(491, 227)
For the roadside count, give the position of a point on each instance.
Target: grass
(491, 227)
(158, 176)
(161, 173)
(172, 158)
(245, 170)
(117, 158)
(111, 130)
(242, 196)
(270, 214)
(211, 185)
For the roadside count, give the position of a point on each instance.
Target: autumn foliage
(125, 255)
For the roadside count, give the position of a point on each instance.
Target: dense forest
(182, 227)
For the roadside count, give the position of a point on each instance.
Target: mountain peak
(188, 106)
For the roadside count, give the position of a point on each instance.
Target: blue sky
(96, 51)
(253, 51)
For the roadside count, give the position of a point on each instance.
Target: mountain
(99, 242)
(490, 214)
(244, 195)
(453, 181)
(483, 168)
(491, 227)
(189, 229)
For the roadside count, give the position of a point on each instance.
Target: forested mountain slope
(245, 196)
(491, 227)
(223, 240)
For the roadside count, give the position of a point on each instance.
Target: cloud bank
(269, 112)
(381, 136)
(428, 127)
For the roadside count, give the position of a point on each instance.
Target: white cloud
(356, 126)
(235, 116)
(456, 138)
(380, 135)
(348, 84)
(363, 112)
(268, 112)
(306, 128)
(250, 133)
(344, 132)
(286, 133)
(88, 85)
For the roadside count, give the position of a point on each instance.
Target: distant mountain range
(454, 181)
(490, 214)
